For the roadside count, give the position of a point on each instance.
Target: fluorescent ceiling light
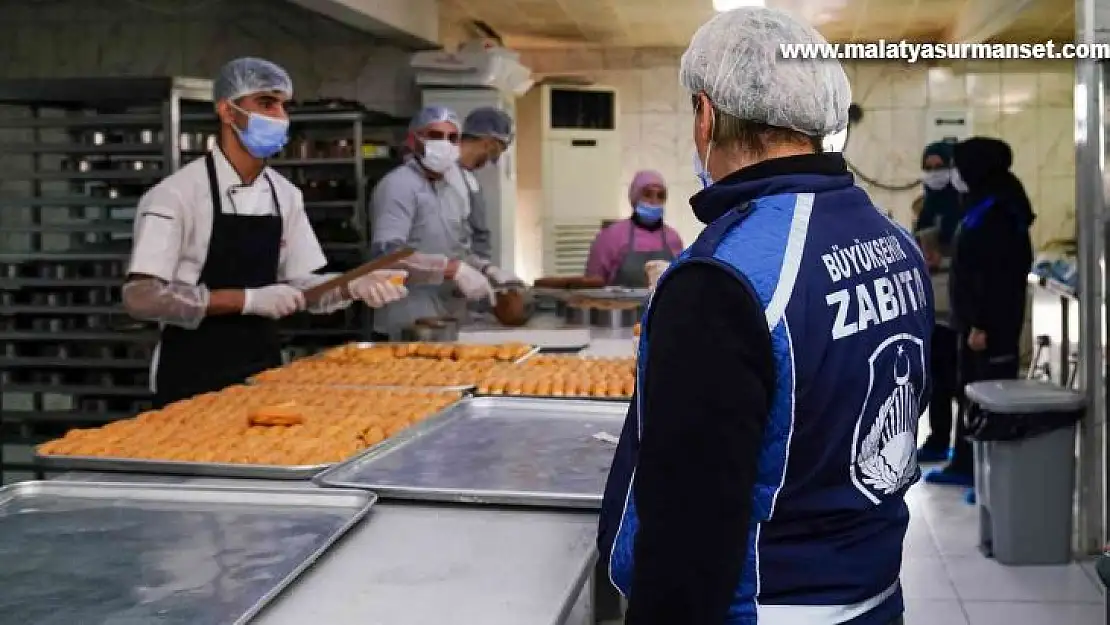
(727, 5)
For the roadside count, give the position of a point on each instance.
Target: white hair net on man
(487, 121)
(248, 75)
(434, 114)
(735, 59)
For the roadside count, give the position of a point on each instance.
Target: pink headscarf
(644, 178)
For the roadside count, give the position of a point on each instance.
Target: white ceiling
(670, 23)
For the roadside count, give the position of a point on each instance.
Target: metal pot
(505, 310)
(614, 319)
(435, 330)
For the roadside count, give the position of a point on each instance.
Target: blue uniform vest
(849, 306)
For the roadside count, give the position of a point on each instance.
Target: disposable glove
(500, 277)
(274, 301)
(425, 269)
(378, 288)
(473, 284)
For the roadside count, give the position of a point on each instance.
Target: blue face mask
(701, 172)
(264, 136)
(649, 214)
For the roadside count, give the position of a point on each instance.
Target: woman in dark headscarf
(992, 254)
(941, 208)
(934, 228)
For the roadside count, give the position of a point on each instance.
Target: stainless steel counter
(435, 564)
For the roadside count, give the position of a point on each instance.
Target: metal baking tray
(613, 293)
(87, 552)
(532, 352)
(464, 389)
(586, 398)
(495, 450)
(169, 467)
(199, 469)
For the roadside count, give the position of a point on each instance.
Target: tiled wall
(65, 38)
(1029, 105)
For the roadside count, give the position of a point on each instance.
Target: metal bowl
(432, 330)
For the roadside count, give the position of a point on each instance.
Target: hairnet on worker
(247, 75)
(734, 59)
(431, 115)
(488, 121)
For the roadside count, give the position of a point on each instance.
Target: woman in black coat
(992, 253)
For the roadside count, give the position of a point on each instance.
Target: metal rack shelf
(79, 363)
(100, 176)
(76, 155)
(149, 151)
(114, 337)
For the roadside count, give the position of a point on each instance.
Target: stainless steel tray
(532, 352)
(462, 388)
(86, 552)
(603, 400)
(495, 450)
(167, 467)
(614, 293)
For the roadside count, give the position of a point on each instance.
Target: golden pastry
(563, 376)
(287, 425)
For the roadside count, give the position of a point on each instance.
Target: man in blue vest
(761, 472)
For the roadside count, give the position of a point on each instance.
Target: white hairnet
(248, 75)
(433, 114)
(735, 59)
(487, 121)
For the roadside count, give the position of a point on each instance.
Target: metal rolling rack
(76, 154)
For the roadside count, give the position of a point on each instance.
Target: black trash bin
(1024, 441)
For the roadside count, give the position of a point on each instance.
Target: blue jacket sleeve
(707, 390)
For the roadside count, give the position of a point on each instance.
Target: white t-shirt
(173, 223)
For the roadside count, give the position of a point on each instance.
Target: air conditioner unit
(577, 153)
(476, 64)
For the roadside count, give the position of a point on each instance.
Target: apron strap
(213, 185)
(273, 193)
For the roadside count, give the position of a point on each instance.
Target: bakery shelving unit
(336, 152)
(76, 155)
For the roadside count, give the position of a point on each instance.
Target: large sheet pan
(170, 467)
(367, 345)
(193, 469)
(98, 553)
(495, 450)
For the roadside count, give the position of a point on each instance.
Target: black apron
(631, 273)
(243, 253)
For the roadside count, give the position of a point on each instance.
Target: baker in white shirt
(223, 248)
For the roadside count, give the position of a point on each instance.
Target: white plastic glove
(274, 301)
(473, 284)
(375, 289)
(425, 269)
(500, 277)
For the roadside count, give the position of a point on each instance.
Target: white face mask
(439, 155)
(958, 182)
(937, 179)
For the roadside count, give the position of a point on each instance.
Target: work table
(430, 564)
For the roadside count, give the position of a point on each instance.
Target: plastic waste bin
(1023, 432)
